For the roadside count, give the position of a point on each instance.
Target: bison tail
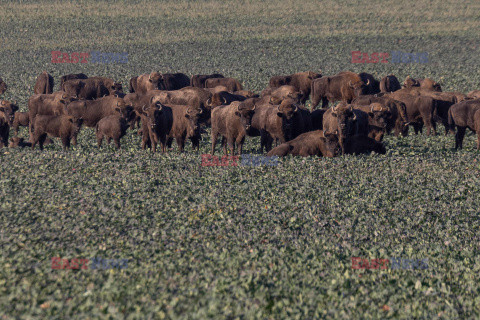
(451, 122)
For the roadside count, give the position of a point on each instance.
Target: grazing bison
(157, 121)
(230, 83)
(274, 122)
(231, 122)
(174, 81)
(111, 127)
(313, 143)
(398, 112)
(62, 126)
(3, 86)
(340, 119)
(301, 81)
(44, 84)
(20, 119)
(390, 83)
(359, 144)
(462, 116)
(419, 108)
(7, 111)
(378, 116)
(373, 86)
(198, 80)
(92, 111)
(344, 86)
(76, 76)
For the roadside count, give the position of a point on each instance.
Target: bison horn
(143, 108)
(159, 106)
(350, 83)
(354, 117)
(371, 109)
(254, 106)
(296, 108)
(209, 102)
(368, 82)
(278, 108)
(238, 108)
(15, 102)
(224, 100)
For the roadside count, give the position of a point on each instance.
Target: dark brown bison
(390, 83)
(198, 80)
(3, 86)
(344, 86)
(373, 86)
(111, 127)
(231, 122)
(313, 143)
(20, 119)
(378, 117)
(230, 83)
(174, 81)
(223, 98)
(7, 111)
(340, 119)
(398, 112)
(44, 84)
(157, 121)
(63, 126)
(317, 119)
(91, 88)
(302, 81)
(359, 144)
(274, 122)
(424, 84)
(76, 76)
(462, 116)
(420, 110)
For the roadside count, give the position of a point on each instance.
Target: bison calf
(21, 119)
(111, 127)
(64, 127)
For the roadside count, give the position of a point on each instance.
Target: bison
(44, 84)
(63, 126)
(424, 84)
(419, 108)
(157, 121)
(389, 83)
(198, 80)
(232, 122)
(147, 82)
(475, 94)
(313, 143)
(342, 120)
(45, 104)
(111, 127)
(301, 81)
(283, 92)
(7, 111)
(20, 119)
(378, 116)
(223, 98)
(20, 142)
(359, 144)
(73, 76)
(230, 83)
(344, 86)
(373, 86)
(3, 86)
(462, 116)
(91, 88)
(174, 81)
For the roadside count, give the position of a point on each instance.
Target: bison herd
(172, 106)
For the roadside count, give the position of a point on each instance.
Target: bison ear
(371, 114)
(186, 114)
(70, 119)
(280, 114)
(237, 113)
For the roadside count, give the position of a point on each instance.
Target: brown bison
(317, 119)
(157, 121)
(390, 83)
(63, 126)
(359, 144)
(198, 80)
(174, 81)
(3, 86)
(231, 122)
(45, 104)
(20, 119)
(424, 84)
(313, 143)
(398, 112)
(146, 82)
(111, 127)
(92, 111)
(277, 95)
(462, 116)
(378, 116)
(340, 119)
(373, 86)
(475, 94)
(223, 98)
(44, 84)
(344, 86)
(230, 83)
(91, 88)
(302, 81)
(73, 76)
(7, 111)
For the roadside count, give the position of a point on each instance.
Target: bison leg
(459, 137)
(99, 139)
(117, 142)
(180, 143)
(41, 140)
(224, 145)
(240, 140)
(324, 102)
(65, 143)
(214, 141)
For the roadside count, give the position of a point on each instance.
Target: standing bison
(424, 84)
(7, 114)
(174, 81)
(111, 127)
(157, 121)
(44, 84)
(373, 86)
(301, 81)
(92, 88)
(20, 119)
(344, 86)
(72, 76)
(231, 122)
(198, 80)
(64, 127)
(462, 116)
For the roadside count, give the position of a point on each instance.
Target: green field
(240, 242)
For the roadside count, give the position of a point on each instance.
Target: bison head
(76, 123)
(73, 87)
(193, 114)
(312, 75)
(379, 115)
(156, 80)
(345, 119)
(287, 110)
(331, 143)
(116, 88)
(3, 86)
(410, 82)
(152, 113)
(8, 110)
(216, 100)
(359, 88)
(245, 112)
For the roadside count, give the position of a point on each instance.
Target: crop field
(240, 242)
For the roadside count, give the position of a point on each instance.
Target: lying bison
(359, 144)
(64, 127)
(462, 116)
(378, 116)
(344, 86)
(231, 122)
(198, 80)
(342, 120)
(313, 143)
(44, 84)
